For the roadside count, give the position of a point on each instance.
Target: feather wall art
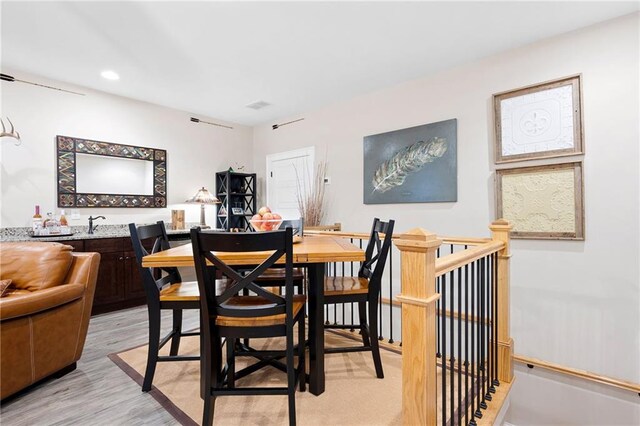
(413, 165)
(393, 172)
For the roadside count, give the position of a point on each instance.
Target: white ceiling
(215, 58)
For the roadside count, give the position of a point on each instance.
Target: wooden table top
(312, 249)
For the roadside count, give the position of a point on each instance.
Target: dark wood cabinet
(109, 288)
(133, 279)
(119, 283)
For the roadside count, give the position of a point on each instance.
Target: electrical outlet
(75, 214)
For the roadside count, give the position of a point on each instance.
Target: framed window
(539, 121)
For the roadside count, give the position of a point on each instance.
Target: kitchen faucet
(91, 227)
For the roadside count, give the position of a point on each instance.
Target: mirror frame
(67, 148)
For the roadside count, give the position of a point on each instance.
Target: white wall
(573, 303)
(194, 151)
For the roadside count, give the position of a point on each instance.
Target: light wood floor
(97, 392)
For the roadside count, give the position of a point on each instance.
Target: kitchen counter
(80, 233)
(119, 282)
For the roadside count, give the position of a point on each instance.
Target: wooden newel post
(418, 295)
(500, 230)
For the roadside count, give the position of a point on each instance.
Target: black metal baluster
(390, 296)
(481, 283)
(380, 308)
(485, 334)
(466, 341)
(496, 380)
(438, 313)
(452, 344)
(326, 307)
(352, 306)
(459, 346)
(489, 325)
(492, 336)
(358, 272)
(472, 422)
(478, 322)
(343, 307)
(335, 305)
(444, 352)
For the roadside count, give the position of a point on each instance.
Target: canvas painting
(413, 165)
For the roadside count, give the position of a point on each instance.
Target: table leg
(316, 328)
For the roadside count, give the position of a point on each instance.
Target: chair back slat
(207, 264)
(376, 254)
(153, 279)
(296, 224)
(245, 282)
(245, 241)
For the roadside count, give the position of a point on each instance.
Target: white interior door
(287, 173)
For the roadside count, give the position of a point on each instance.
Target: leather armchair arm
(38, 301)
(84, 268)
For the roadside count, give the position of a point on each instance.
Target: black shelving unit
(235, 191)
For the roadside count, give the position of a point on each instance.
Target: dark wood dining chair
(164, 289)
(363, 290)
(232, 317)
(274, 277)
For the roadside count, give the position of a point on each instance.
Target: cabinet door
(110, 286)
(133, 278)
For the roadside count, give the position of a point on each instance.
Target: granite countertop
(80, 233)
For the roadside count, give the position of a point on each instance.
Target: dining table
(312, 252)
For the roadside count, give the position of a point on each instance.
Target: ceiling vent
(258, 105)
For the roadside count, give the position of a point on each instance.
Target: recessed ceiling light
(110, 75)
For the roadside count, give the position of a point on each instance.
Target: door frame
(309, 151)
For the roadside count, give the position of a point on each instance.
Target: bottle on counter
(36, 222)
(64, 223)
(51, 225)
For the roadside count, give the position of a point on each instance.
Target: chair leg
(177, 331)
(210, 363)
(375, 348)
(207, 415)
(291, 378)
(154, 346)
(302, 374)
(245, 341)
(364, 328)
(231, 363)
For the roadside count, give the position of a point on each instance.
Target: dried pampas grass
(311, 195)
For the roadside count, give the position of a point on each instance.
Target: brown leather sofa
(45, 314)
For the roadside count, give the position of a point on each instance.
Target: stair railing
(452, 312)
(483, 353)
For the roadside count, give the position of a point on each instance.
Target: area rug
(353, 395)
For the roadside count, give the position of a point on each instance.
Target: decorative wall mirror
(103, 174)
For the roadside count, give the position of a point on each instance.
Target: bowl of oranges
(265, 220)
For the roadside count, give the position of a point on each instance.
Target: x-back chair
(232, 316)
(363, 290)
